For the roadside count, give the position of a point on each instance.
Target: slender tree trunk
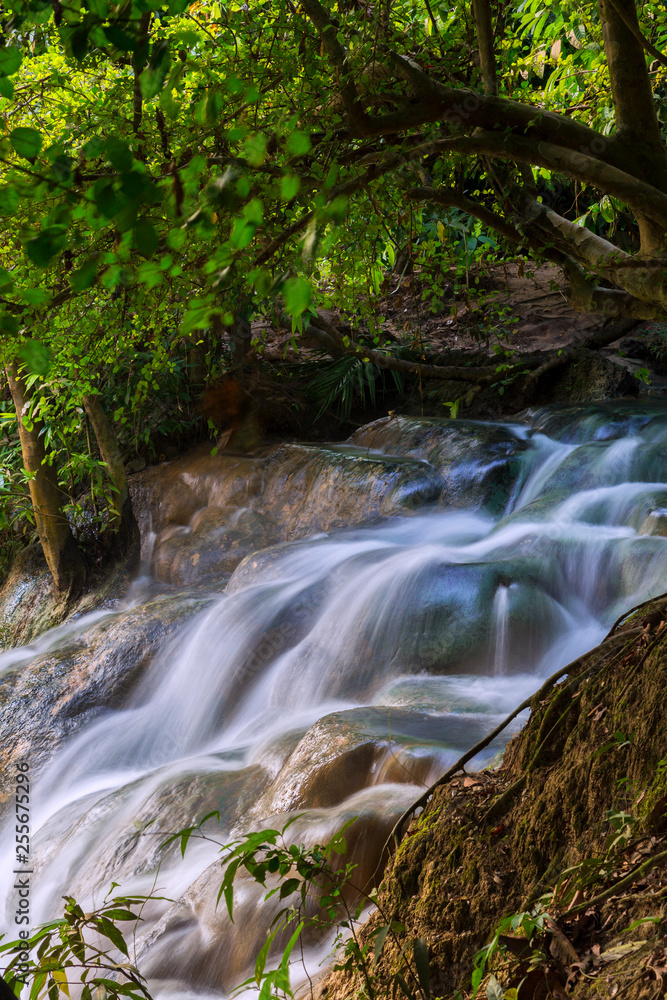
(637, 126)
(122, 521)
(485, 41)
(138, 100)
(58, 544)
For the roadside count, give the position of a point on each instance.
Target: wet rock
(195, 943)
(347, 751)
(389, 615)
(217, 539)
(122, 835)
(171, 493)
(29, 608)
(655, 523)
(587, 378)
(596, 465)
(480, 463)
(462, 693)
(27, 604)
(210, 511)
(586, 422)
(309, 490)
(46, 698)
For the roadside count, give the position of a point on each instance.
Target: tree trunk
(485, 41)
(58, 544)
(122, 521)
(637, 126)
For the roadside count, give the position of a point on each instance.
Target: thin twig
(624, 882)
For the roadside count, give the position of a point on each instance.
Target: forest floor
(507, 306)
(509, 312)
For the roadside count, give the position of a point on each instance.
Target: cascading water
(501, 607)
(335, 673)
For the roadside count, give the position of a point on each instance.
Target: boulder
(91, 667)
(208, 512)
(480, 463)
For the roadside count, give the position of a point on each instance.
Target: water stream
(340, 672)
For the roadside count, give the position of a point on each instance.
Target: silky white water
(336, 675)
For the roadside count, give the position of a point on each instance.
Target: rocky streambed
(319, 630)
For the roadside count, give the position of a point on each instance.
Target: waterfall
(338, 670)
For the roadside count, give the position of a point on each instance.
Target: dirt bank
(571, 829)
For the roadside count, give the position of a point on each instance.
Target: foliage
(529, 925)
(320, 896)
(78, 952)
(348, 380)
(169, 170)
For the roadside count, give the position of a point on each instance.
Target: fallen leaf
(621, 950)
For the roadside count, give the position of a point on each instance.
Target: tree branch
(644, 280)
(329, 32)
(585, 295)
(643, 198)
(455, 199)
(475, 375)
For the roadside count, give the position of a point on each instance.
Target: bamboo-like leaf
(420, 952)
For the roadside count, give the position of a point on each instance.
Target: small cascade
(319, 632)
(501, 607)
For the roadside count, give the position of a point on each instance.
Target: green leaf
(9, 324)
(26, 141)
(175, 239)
(242, 234)
(298, 143)
(255, 149)
(109, 929)
(120, 914)
(105, 198)
(85, 275)
(9, 199)
(380, 939)
(43, 247)
(290, 886)
(420, 951)
(145, 238)
(6, 88)
(94, 147)
(298, 295)
(6, 282)
(120, 39)
(10, 60)
(153, 77)
(289, 186)
(77, 41)
(34, 296)
(119, 154)
(36, 356)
